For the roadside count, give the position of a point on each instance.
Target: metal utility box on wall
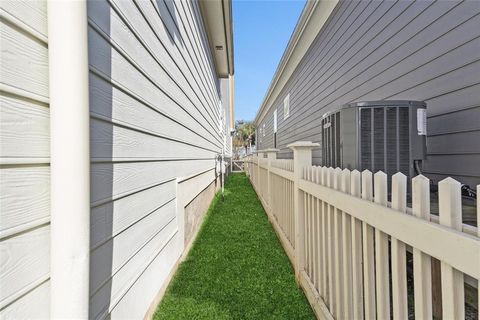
(376, 135)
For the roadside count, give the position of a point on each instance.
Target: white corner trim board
(70, 159)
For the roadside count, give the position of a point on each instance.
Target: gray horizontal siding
(154, 101)
(411, 50)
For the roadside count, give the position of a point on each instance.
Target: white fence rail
(349, 245)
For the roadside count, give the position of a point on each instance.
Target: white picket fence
(341, 235)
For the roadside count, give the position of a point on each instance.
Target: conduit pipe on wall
(70, 159)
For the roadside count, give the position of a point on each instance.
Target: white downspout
(70, 159)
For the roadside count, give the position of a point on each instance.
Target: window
(275, 121)
(286, 107)
(275, 128)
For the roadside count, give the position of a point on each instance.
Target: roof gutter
(314, 16)
(217, 18)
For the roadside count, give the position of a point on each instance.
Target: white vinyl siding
(24, 166)
(154, 102)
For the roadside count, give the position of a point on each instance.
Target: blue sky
(261, 32)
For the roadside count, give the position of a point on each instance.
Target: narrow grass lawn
(237, 268)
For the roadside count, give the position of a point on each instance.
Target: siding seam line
(168, 94)
(23, 161)
(304, 67)
(125, 194)
(453, 132)
(184, 69)
(418, 84)
(132, 127)
(24, 291)
(129, 258)
(304, 63)
(140, 99)
(366, 56)
(200, 71)
(98, 244)
(122, 294)
(207, 87)
(455, 111)
(115, 160)
(147, 48)
(24, 94)
(203, 56)
(21, 26)
(24, 228)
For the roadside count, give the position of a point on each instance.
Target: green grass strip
(236, 268)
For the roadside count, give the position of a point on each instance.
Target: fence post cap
(366, 172)
(449, 181)
(380, 173)
(420, 177)
(399, 174)
(303, 144)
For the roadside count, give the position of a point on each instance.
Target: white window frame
(275, 121)
(286, 107)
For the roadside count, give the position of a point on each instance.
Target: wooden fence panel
(351, 242)
(381, 252)
(318, 236)
(357, 252)
(331, 249)
(422, 267)
(337, 182)
(368, 252)
(347, 252)
(325, 243)
(399, 253)
(450, 205)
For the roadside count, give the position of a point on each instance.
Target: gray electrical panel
(376, 135)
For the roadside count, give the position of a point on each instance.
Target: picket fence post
(271, 155)
(381, 251)
(259, 182)
(302, 158)
(422, 263)
(368, 252)
(398, 251)
(450, 205)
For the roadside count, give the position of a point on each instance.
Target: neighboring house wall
(154, 101)
(374, 50)
(25, 158)
(155, 120)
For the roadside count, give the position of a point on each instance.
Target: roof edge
(312, 19)
(218, 22)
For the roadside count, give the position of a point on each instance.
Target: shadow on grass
(236, 268)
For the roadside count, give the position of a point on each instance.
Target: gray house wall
(154, 104)
(409, 50)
